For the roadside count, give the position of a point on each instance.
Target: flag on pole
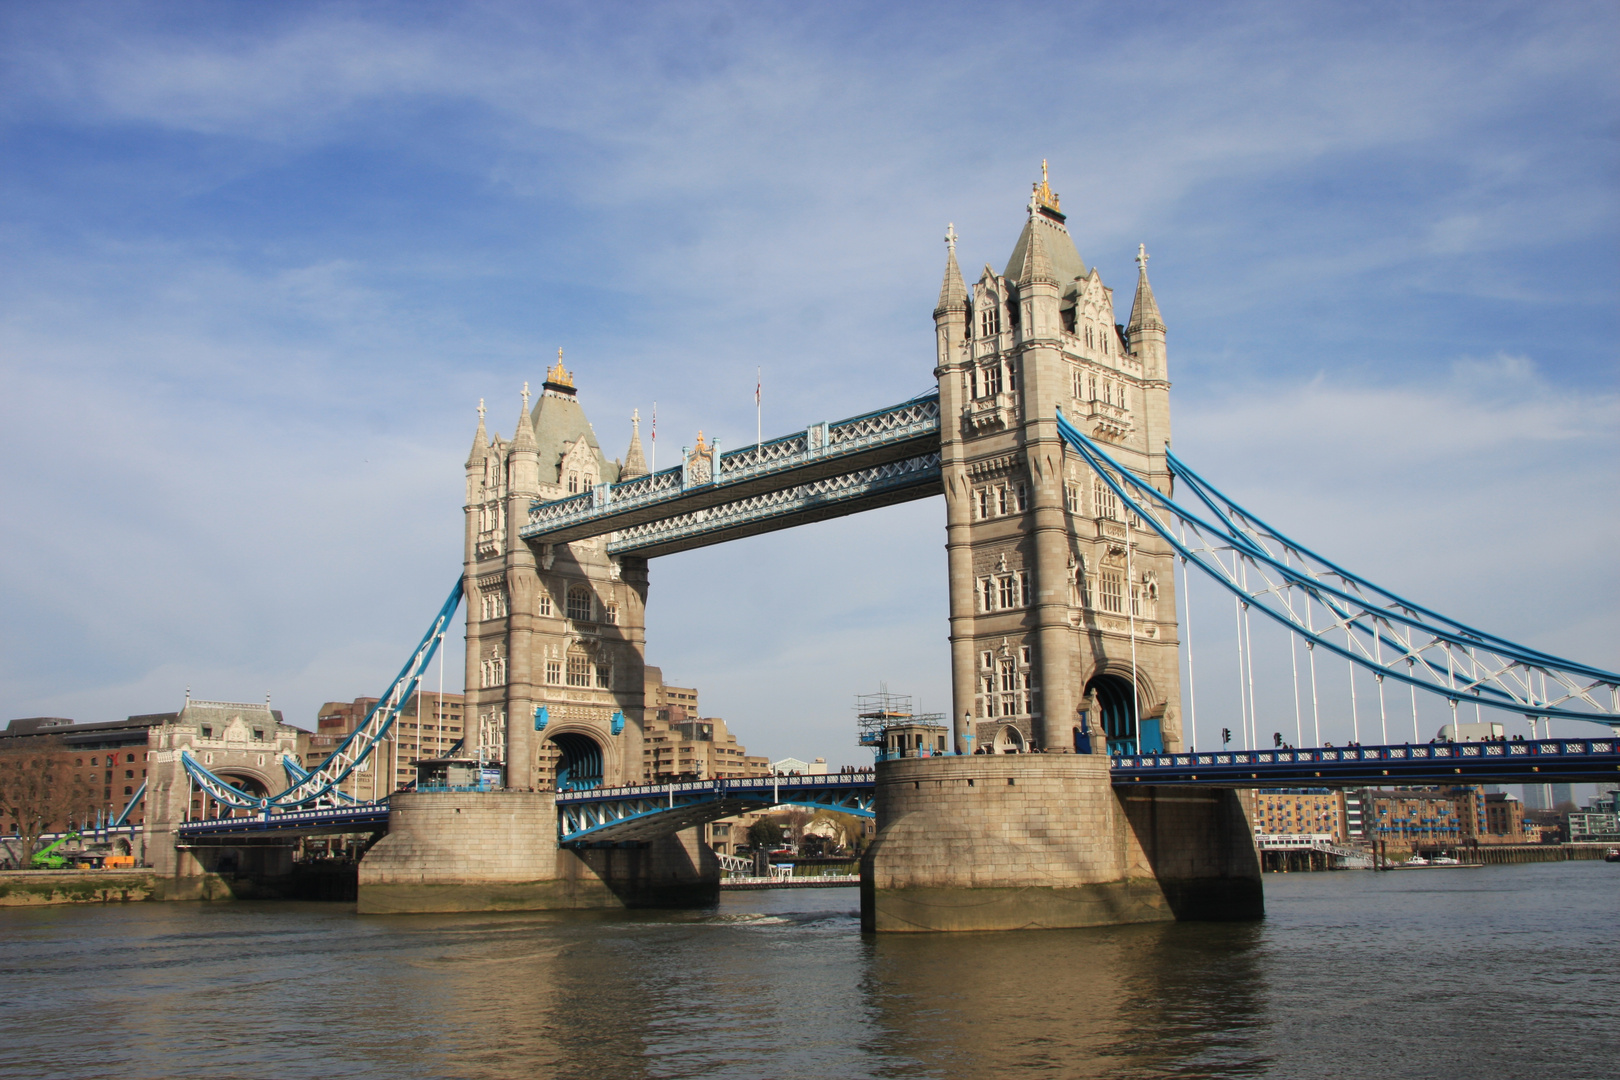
(655, 437)
(759, 429)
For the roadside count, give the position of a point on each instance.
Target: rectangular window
(1001, 500)
(1136, 600)
(579, 670)
(985, 659)
(1071, 498)
(1113, 592)
(1023, 589)
(604, 676)
(1107, 502)
(984, 502)
(1091, 384)
(987, 592)
(1012, 376)
(1009, 592)
(554, 672)
(992, 380)
(542, 605)
(610, 613)
(1022, 491)
(1023, 655)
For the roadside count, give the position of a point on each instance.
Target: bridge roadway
(827, 470)
(608, 816)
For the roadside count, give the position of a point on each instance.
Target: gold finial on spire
(559, 377)
(1043, 191)
(700, 448)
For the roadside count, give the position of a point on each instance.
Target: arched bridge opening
(579, 768)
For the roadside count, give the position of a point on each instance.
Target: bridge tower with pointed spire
(1062, 627)
(1063, 624)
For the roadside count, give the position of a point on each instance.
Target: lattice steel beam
(823, 452)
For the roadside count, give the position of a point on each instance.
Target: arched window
(579, 603)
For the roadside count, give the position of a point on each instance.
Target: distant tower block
(1063, 614)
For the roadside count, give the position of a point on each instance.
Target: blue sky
(261, 262)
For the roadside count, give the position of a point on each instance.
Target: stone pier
(1030, 841)
(497, 851)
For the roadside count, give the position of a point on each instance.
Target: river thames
(1507, 971)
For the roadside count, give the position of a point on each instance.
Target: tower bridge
(1071, 795)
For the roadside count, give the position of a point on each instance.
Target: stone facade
(1059, 605)
(561, 628)
(241, 743)
(1007, 842)
(492, 851)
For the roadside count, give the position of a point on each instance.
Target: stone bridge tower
(1063, 612)
(556, 636)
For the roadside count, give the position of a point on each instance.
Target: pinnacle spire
(523, 438)
(480, 446)
(1144, 309)
(952, 293)
(635, 462)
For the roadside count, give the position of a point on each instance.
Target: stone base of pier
(497, 851)
(1030, 841)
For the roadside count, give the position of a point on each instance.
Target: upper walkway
(827, 470)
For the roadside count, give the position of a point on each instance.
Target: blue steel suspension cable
(1344, 604)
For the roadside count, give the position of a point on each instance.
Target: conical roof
(480, 446)
(523, 438)
(635, 462)
(952, 293)
(558, 423)
(1063, 256)
(1144, 309)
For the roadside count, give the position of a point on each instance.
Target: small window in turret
(542, 605)
(573, 483)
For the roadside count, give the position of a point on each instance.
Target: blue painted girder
(1538, 762)
(632, 814)
(361, 817)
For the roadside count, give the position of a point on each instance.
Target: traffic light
(1226, 735)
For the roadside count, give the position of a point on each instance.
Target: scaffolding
(876, 714)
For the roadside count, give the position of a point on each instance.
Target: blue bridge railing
(1534, 762)
(626, 814)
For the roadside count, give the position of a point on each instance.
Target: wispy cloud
(261, 264)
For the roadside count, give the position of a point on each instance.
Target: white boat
(1445, 860)
(1416, 860)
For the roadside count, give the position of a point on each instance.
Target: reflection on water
(1501, 972)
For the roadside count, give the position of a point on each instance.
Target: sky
(261, 262)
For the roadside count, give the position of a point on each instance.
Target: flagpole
(759, 428)
(654, 467)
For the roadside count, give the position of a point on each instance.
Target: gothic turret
(635, 462)
(524, 457)
(1146, 328)
(951, 313)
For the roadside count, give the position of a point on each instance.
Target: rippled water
(1497, 972)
